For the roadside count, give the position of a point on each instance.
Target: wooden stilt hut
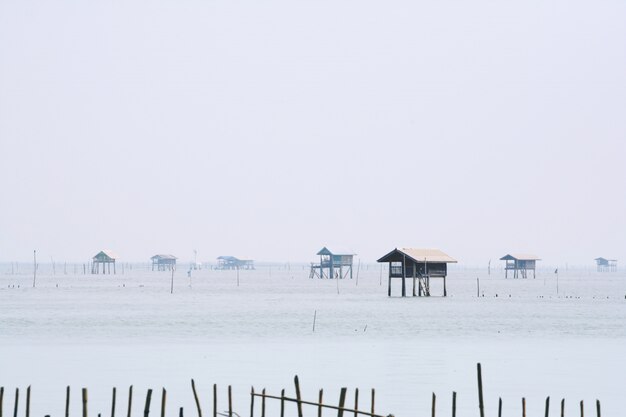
(420, 265)
(105, 258)
(332, 264)
(606, 265)
(163, 262)
(520, 264)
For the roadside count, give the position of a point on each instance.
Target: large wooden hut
(520, 264)
(606, 265)
(106, 258)
(231, 262)
(163, 262)
(420, 265)
(332, 264)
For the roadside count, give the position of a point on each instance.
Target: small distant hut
(332, 265)
(420, 265)
(606, 265)
(520, 264)
(163, 262)
(105, 258)
(231, 262)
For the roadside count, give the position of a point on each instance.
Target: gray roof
(419, 255)
(107, 253)
(520, 257)
(326, 251)
(160, 256)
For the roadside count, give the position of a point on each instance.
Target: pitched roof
(107, 253)
(418, 255)
(326, 251)
(520, 257)
(164, 257)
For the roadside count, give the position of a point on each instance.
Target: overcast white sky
(271, 128)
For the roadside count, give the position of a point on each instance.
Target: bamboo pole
(252, 401)
(195, 396)
(230, 401)
(2, 388)
(67, 401)
(130, 400)
(481, 406)
(563, 407)
(282, 403)
(113, 395)
(434, 402)
(500, 407)
(356, 402)
(523, 407)
(453, 403)
(598, 414)
(320, 402)
(84, 398)
(373, 400)
(582, 409)
(163, 400)
(263, 403)
(180, 412)
(146, 409)
(342, 401)
(214, 400)
(28, 401)
(547, 407)
(298, 396)
(17, 399)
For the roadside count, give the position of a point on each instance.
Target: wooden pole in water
(563, 407)
(500, 407)
(146, 409)
(67, 401)
(342, 401)
(172, 281)
(214, 400)
(17, 399)
(113, 402)
(130, 400)
(320, 403)
(252, 401)
(314, 318)
(282, 403)
(2, 388)
(263, 403)
(373, 400)
(582, 409)
(84, 392)
(477, 287)
(298, 396)
(523, 407)
(547, 407)
(163, 399)
(28, 401)
(356, 402)
(481, 406)
(598, 408)
(433, 405)
(195, 396)
(230, 401)
(180, 412)
(453, 403)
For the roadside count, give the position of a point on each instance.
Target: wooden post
(342, 401)
(547, 407)
(146, 409)
(17, 399)
(598, 414)
(282, 403)
(480, 391)
(356, 402)
(404, 275)
(414, 278)
(180, 412)
(130, 400)
(563, 407)
(67, 401)
(500, 407)
(320, 403)
(296, 382)
(195, 396)
(523, 407)
(113, 403)
(453, 403)
(28, 401)
(230, 401)
(214, 400)
(582, 409)
(433, 405)
(263, 403)
(477, 287)
(445, 290)
(389, 284)
(2, 388)
(252, 402)
(373, 398)
(84, 392)
(163, 399)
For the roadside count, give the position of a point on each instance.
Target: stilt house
(230, 262)
(105, 258)
(606, 265)
(332, 265)
(520, 264)
(420, 265)
(163, 262)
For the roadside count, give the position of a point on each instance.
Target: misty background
(268, 129)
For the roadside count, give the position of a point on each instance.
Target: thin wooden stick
(563, 407)
(2, 388)
(195, 396)
(282, 403)
(84, 392)
(342, 401)
(113, 402)
(500, 407)
(453, 403)
(314, 403)
(582, 409)
(598, 414)
(523, 407)
(214, 400)
(356, 402)
(180, 412)
(28, 401)
(230, 401)
(146, 409)
(298, 396)
(163, 399)
(320, 401)
(263, 403)
(547, 406)
(130, 400)
(373, 399)
(252, 402)
(67, 401)
(433, 405)
(17, 399)
(480, 391)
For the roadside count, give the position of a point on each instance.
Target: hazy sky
(269, 129)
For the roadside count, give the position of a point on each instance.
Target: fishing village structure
(230, 262)
(332, 265)
(163, 262)
(105, 258)
(420, 265)
(520, 264)
(606, 265)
